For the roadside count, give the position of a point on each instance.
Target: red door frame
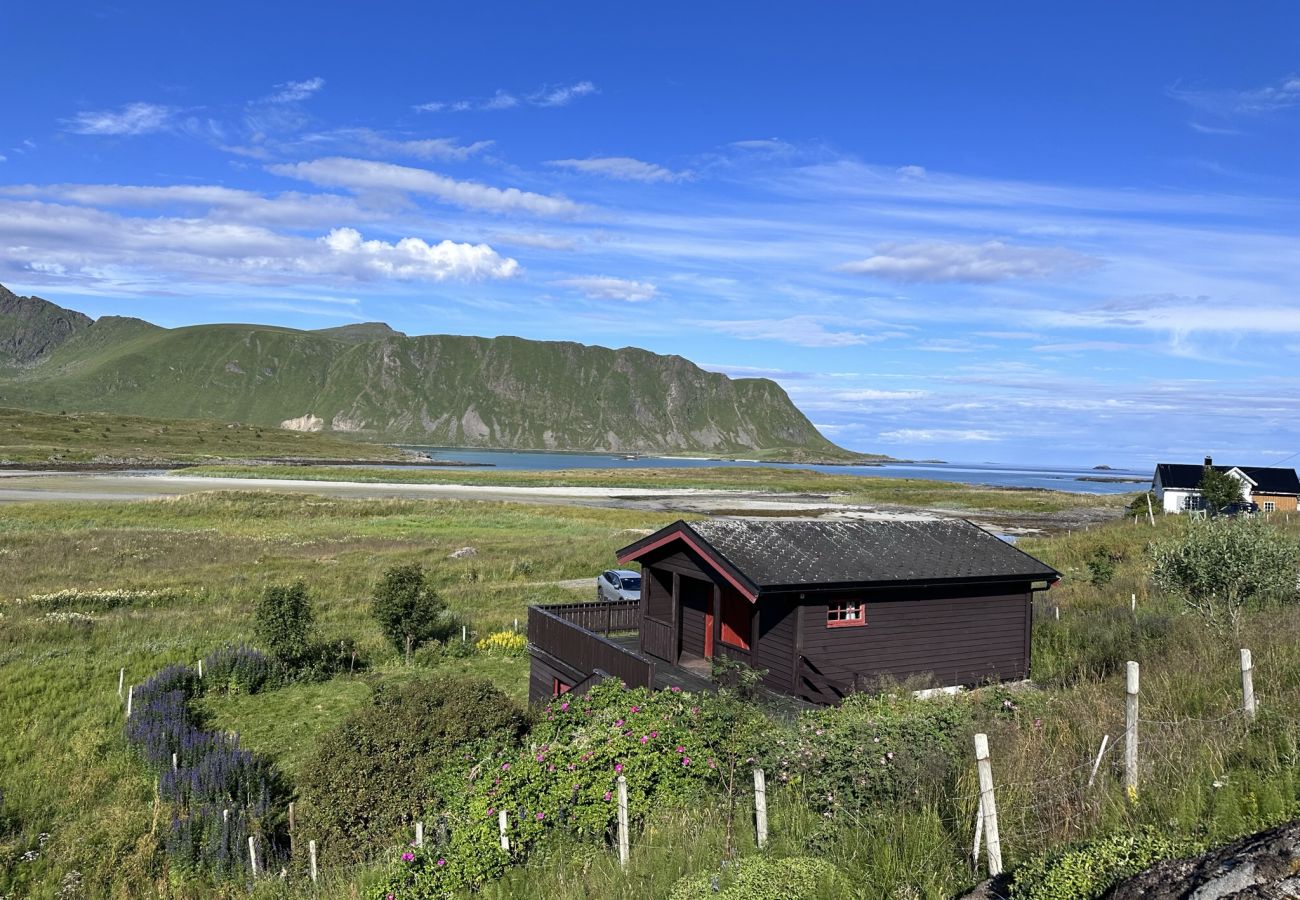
(708, 634)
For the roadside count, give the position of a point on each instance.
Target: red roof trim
(681, 535)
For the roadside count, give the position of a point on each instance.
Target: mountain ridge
(371, 381)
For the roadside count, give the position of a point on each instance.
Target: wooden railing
(583, 649)
(603, 616)
(657, 639)
(827, 690)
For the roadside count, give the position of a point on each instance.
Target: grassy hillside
(437, 389)
(33, 437)
(79, 807)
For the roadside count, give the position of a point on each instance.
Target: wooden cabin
(821, 607)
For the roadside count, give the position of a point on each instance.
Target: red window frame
(846, 615)
(559, 687)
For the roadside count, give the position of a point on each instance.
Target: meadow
(81, 815)
(30, 437)
(910, 492)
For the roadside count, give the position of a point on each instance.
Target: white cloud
(937, 435)
(366, 175)
(911, 171)
(1229, 102)
(620, 168)
(765, 145)
(378, 142)
(134, 118)
(562, 96)
(294, 91)
(536, 240)
(544, 97)
(412, 258)
(3, 158)
(870, 394)
(605, 287)
(803, 331)
(942, 261)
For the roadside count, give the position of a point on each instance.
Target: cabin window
(559, 687)
(1270, 506)
(839, 615)
(1193, 501)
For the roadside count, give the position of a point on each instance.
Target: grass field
(34, 437)
(915, 492)
(67, 774)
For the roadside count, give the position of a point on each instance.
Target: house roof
(1186, 476)
(777, 554)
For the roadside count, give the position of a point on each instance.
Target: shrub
(407, 608)
(503, 643)
(236, 670)
(872, 750)
(764, 878)
(1101, 566)
(399, 758)
(1219, 567)
(1088, 870)
(284, 621)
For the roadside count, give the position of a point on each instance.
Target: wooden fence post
(464, 633)
(622, 821)
(1131, 728)
(130, 695)
(293, 826)
(419, 834)
(1105, 739)
(175, 766)
(1247, 684)
(252, 854)
(200, 668)
(760, 807)
(311, 851)
(121, 682)
(979, 834)
(1150, 513)
(501, 826)
(988, 805)
(225, 816)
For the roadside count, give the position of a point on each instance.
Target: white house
(1177, 486)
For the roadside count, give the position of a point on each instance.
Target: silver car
(618, 584)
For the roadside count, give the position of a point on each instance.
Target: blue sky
(1017, 232)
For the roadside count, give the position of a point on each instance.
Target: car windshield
(632, 584)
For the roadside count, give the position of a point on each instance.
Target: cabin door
(697, 617)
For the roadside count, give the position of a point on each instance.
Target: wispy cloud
(937, 436)
(605, 287)
(131, 119)
(366, 175)
(295, 91)
(940, 261)
(1229, 102)
(802, 331)
(549, 96)
(620, 168)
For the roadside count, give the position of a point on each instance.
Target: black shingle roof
(775, 553)
(1270, 481)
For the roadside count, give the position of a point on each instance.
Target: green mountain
(371, 381)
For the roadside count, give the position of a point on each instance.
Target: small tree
(1219, 489)
(407, 608)
(285, 621)
(1220, 566)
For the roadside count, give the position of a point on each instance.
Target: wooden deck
(667, 675)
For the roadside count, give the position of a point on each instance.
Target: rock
(463, 553)
(1263, 866)
(307, 422)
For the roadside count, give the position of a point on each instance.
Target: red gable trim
(686, 538)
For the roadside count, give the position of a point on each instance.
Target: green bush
(401, 758)
(407, 608)
(1090, 869)
(764, 878)
(284, 622)
(1101, 566)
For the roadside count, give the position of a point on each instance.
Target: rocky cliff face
(370, 380)
(31, 327)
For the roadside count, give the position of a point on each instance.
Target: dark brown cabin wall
(685, 563)
(657, 593)
(774, 643)
(541, 675)
(697, 598)
(958, 640)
